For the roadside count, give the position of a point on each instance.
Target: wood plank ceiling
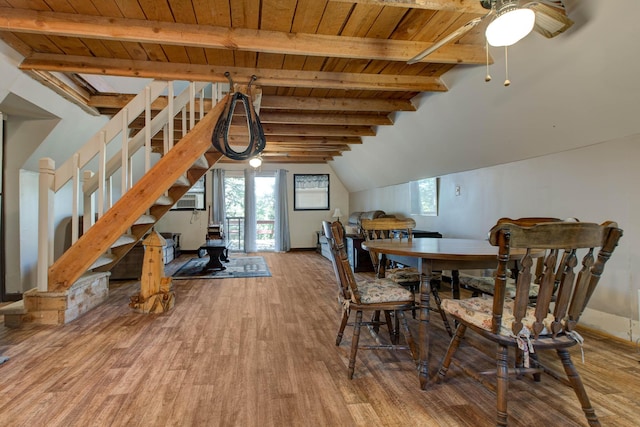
(330, 71)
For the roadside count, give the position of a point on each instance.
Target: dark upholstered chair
(514, 322)
(381, 295)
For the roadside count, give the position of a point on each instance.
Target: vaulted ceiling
(331, 71)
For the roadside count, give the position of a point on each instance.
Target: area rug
(252, 266)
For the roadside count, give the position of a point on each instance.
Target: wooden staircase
(130, 210)
(78, 279)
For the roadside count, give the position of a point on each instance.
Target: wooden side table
(218, 253)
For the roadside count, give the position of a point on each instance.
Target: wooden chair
(485, 284)
(514, 322)
(380, 295)
(399, 228)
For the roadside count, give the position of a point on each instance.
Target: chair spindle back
(563, 243)
(385, 228)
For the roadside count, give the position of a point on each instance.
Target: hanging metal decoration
(220, 136)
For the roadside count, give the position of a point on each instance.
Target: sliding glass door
(234, 210)
(250, 218)
(265, 203)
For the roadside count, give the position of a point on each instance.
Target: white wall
(302, 224)
(595, 184)
(39, 123)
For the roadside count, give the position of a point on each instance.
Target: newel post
(156, 291)
(45, 222)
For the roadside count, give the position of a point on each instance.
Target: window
(311, 192)
(424, 197)
(194, 198)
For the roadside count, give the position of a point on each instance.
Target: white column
(125, 152)
(102, 174)
(201, 103)
(192, 105)
(184, 121)
(45, 222)
(170, 97)
(75, 205)
(89, 205)
(147, 129)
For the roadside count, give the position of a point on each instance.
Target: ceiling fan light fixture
(511, 24)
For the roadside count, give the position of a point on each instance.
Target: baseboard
(601, 334)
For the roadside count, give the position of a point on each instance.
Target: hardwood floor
(260, 352)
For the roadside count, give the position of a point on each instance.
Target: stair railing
(95, 190)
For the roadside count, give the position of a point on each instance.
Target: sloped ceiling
(572, 91)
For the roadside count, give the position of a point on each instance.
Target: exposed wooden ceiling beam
(297, 140)
(270, 117)
(117, 101)
(335, 104)
(469, 6)
(318, 140)
(276, 132)
(71, 93)
(307, 130)
(334, 153)
(325, 119)
(205, 36)
(284, 159)
(277, 147)
(266, 77)
(270, 102)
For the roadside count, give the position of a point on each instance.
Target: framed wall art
(311, 192)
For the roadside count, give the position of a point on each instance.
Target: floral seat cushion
(478, 311)
(486, 285)
(382, 290)
(403, 275)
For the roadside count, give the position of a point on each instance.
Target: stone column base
(58, 308)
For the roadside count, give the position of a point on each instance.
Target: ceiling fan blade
(551, 18)
(454, 35)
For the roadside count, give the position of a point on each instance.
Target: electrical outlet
(457, 190)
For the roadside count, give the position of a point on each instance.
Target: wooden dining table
(436, 255)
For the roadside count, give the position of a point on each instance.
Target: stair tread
(103, 259)
(202, 162)
(125, 239)
(145, 219)
(183, 181)
(164, 201)
(16, 307)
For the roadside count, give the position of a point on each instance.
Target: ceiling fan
(512, 20)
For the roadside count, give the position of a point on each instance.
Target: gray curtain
(249, 211)
(283, 240)
(217, 201)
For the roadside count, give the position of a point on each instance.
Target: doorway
(260, 210)
(265, 209)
